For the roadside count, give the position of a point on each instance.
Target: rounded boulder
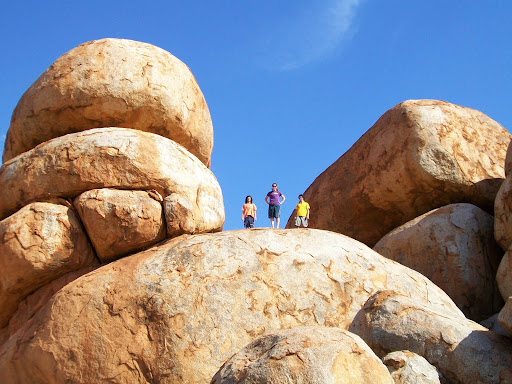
(113, 82)
(308, 355)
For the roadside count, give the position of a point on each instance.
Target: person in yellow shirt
(302, 209)
(249, 213)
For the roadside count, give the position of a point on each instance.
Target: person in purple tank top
(273, 199)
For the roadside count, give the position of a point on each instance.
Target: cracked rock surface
(38, 244)
(177, 311)
(407, 367)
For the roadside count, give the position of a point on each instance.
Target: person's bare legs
(277, 222)
(272, 222)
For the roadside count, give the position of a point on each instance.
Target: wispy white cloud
(313, 35)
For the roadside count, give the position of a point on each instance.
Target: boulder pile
(420, 155)
(454, 247)
(77, 193)
(113, 266)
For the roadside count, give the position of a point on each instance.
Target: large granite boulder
(454, 247)
(420, 155)
(308, 355)
(113, 83)
(120, 222)
(38, 244)
(464, 351)
(115, 158)
(177, 311)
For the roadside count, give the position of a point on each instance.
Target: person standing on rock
(302, 213)
(249, 213)
(274, 204)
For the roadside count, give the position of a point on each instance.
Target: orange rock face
(120, 222)
(113, 83)
(38, 244)
(420, 155)
(29, 306)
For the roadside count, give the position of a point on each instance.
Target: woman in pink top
(248, 213)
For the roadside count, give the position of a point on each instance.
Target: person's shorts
(249, 222)
(301, 219)
(274, 211)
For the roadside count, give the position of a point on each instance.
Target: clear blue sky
(291, 85)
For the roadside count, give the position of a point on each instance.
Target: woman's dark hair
(247, 198)
(301, 195)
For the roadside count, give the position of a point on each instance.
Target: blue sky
(291, 85)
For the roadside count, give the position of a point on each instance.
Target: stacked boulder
(462, 350)
(78, 192)
(113, 83)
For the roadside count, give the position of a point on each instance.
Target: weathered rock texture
(29, 306)
(38, 244)
(308, 355)
(120, 222)
(504, 275)
(114, 158)
(409, 368)
(420, 155)
(113, 83)
(503, 207)
(176, 312)
(462, 350)
(454, 247)
(505, 316)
